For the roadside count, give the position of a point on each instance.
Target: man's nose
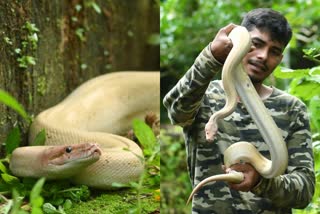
(262, 53)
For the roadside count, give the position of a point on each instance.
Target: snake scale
(236, 82)
(83, 132)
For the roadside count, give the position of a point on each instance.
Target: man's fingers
(227, 29)
(223, 33)
(222, 44)
(244, 187)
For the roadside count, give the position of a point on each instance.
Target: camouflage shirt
(190, 104)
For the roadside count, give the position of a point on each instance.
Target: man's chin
(254, 79)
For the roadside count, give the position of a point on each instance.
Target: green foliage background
(186, 27)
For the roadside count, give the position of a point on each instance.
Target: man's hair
(269, 21)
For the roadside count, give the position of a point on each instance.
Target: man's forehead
(265, 36)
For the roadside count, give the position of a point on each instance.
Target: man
(195, 98)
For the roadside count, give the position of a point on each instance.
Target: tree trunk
(48, 48)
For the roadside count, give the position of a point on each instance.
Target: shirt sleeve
(295, 188)
(184, 99)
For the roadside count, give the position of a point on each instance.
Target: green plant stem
(5, 193)
(3, 197)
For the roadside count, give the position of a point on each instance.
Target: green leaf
(312, 54)
(315, 71)
(37, 209)
(50, 209)
(78, 7)
(25, 61)
(80, 33)
(36, 200)
(7, 40)
(37, 188)
(96, 7)
(314, 109)
(13, 140)
(9, 179)
(31, 27)
(144, 134)
(4, 187)
(304, 88)
(67, 204)
(40, 139)
(287, 73)
(11, 102)
(17, 201)
(119, 185)
(3, 168)
(316, 146)
(6, 207)
(17, 50)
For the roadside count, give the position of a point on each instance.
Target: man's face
(263, 57)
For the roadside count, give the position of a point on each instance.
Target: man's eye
(256, 44)
(276, 53)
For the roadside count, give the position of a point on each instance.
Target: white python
(93, 117)
(240, 152)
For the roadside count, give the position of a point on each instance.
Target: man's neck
(263, 91)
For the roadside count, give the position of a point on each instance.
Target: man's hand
(251, 177)
(221, 44)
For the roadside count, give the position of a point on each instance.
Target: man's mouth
(257, 66)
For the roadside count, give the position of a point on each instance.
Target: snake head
(211, 130)
(66, 161)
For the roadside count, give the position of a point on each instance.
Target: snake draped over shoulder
(84, 133)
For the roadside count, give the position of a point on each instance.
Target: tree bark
(48, 48)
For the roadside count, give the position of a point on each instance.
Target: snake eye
(69, 149)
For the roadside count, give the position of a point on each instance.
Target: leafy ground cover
(123, 201)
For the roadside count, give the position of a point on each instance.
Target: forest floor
(120, 201)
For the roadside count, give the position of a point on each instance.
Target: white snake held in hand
(236, 81)
(83, 132)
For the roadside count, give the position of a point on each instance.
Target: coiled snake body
(83, 132)
(236, 81)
